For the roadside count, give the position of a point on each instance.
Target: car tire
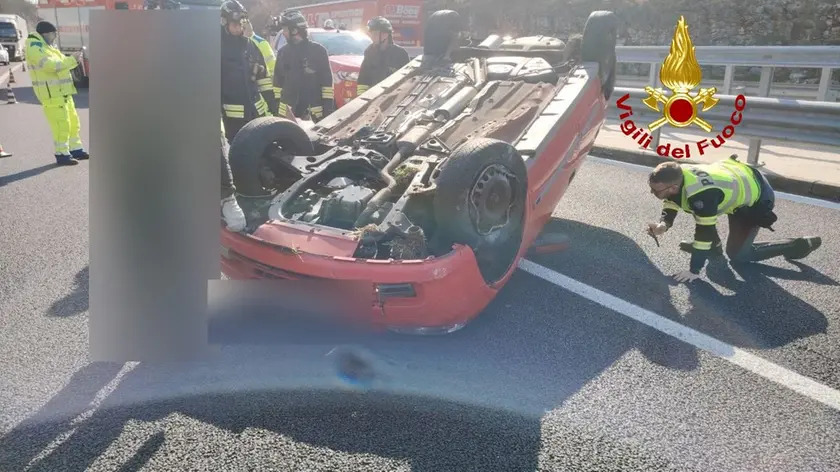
(79, 81)
(600, 36)
(441, 26)
(251, 143)
(478, 180)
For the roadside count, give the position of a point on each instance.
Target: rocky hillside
(651, 22)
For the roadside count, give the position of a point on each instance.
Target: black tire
(600, 36)
(80, 81)
(456, 213)
(250, 144)
(441, 28)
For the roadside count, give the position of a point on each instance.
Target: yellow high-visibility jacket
(49, 70)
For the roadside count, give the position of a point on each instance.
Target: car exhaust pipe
(458, 102)
(417, 134)
(455, 105)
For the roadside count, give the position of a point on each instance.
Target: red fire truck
(405, 15)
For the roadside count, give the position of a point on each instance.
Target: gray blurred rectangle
(341, 301)
(154, 190)
(290, 311)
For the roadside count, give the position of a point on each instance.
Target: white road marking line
(764, 368)
(4, 76)
(100, 396)
(786, 196)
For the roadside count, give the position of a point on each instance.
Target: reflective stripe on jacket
(49, 70)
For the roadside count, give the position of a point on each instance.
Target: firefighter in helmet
(383, 57)
(246, 94)
(303, 80)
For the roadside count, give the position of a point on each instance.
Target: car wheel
(441, 28)
(480, 202)
(79, 80)
(255, 141)
(598, 45)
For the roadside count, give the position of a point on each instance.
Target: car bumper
(431, 296)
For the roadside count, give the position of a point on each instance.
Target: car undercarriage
(422, 161)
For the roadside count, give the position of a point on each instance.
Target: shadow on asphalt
(27, 95)
(77, 302)
(11, 178)
(491, 384)
(533, 348)
(591, 259)
(432, 433)
(760, 314)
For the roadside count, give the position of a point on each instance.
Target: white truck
(72, 20)
(13, 33)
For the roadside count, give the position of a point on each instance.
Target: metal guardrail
(799, 91)
(803, 121)
(825, 58)
(763, 118)
(791, 123)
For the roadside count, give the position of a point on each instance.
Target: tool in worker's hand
(653, 235)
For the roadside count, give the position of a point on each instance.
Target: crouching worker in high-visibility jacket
(52, 82)
(728, 187)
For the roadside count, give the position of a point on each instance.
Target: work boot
(65, 160)
(687, 246)
(790, 249)
(80, 154)
(802, 247)
(233, 215)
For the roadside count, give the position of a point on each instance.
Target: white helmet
(329, 24)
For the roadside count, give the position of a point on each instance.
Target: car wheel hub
(492, 197)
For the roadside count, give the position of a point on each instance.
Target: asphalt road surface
(555, 375)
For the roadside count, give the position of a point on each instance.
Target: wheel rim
(492, 198)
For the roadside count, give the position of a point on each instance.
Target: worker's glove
(233, 215)
(657, 229)
(258, 72)
(686, 276)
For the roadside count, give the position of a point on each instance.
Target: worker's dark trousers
(744, 226)
(232, 126)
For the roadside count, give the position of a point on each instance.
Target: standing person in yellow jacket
(52, 82)
(267, 52)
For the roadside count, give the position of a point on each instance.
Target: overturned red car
(431, 185)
